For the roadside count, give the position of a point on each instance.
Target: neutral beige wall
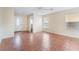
(25, 23)
(72, 18)
(30, 17)
(57, 23)
(7, 22)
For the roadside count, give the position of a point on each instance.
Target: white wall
(57, 23)
(1, 24)
(37, 23)
(7, 24)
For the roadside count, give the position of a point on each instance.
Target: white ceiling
(40, 10)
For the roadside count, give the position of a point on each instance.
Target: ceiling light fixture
(45, 8)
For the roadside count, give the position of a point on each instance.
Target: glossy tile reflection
(25, 41)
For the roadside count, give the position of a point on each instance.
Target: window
(45, 23)
(18, 21)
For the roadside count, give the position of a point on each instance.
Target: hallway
(25, 41)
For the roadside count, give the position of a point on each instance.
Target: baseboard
(72, 36)
(6, 37)
(21, 31)
(66, 35)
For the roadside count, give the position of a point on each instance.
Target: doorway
(31, 24)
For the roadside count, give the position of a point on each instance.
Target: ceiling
(40, 10)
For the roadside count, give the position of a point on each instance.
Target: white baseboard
(65, 34)
(68, 35)
(73, 36)
(6, 36)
